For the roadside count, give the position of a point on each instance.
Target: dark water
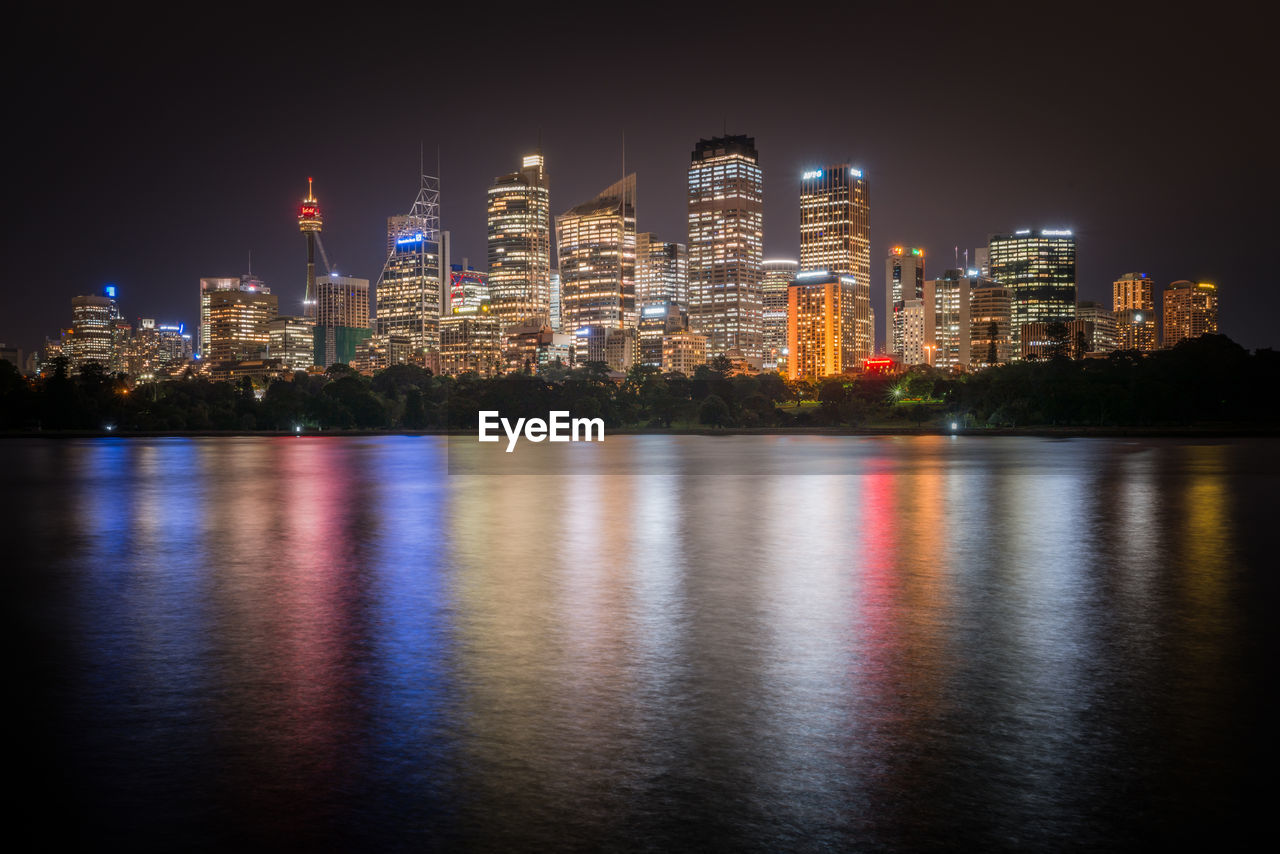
(946, 643)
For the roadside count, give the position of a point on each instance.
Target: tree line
(1206, 381)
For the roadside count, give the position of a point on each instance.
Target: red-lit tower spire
(309, 223)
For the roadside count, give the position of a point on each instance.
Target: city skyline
(1184, 209)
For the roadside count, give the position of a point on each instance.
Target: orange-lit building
(822, 326)
(1134, 303)
(1190, 310)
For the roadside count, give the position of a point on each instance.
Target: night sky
(151, 151)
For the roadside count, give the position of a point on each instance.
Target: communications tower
(309, 223)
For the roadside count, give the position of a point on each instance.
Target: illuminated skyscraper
(98, 332)
(662, 272)
(519, 225)
(778, 275)
(596, 245)
(1133, 300)
(952, 318)
(1039, 269)
(309, 223)
(903, 280)
(239, 323)
(1190, 310)
(408, 292)
(342, 318)
(726, 245)
(292, 340)
(468, 289)
(835, 235)
(822, 332)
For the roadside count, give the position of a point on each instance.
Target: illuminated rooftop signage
(413, 238)
(653, 310)
(1056, 232)
(811, 274)
(1023, 231)
(110, 290)
(813, 173)
(857, 173)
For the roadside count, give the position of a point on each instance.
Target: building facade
(903, 280)
(683, 352)
(821, 326)
(1133, 302)
(239, 324)
(662, 272)
(292, 340)
(779, 273)
(596, 248)
(952, 324)
(471, 342)
(98, 333)
(990, 315)
(1072, 340)
(519, 233)
(917, 333)
(1039, 269)
(726, 245)
(835, 235)
(1190, 310)
(342, 318)
(1105, 331)
(408, 295)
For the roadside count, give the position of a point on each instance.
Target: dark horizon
(1137, 133)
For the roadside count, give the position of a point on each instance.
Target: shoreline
(1201, 432)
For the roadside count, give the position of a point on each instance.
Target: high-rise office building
(990, 312)
(468, 289)
(1039, 269)
(596, 247)
(1105, 331)
(779, 273)
(1190, 310)
(657, 321)
(835, 235)
(471, 342)
(207, 286)
(822, 330)
(408, 293)
(1133, 299)
(519, 226)
(952, 324)
(239, 323)
(557, 318)
(662, 272)
(342, 318)
(917, 333)
(292, 340)
(726, 245)
(342, 301)
(98, 332)
(903, 280)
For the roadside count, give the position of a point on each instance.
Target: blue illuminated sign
(110, 290)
